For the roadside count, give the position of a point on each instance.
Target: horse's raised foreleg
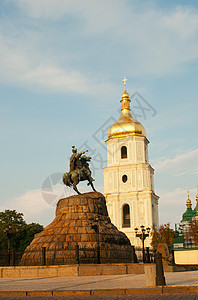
(91, 183)
(75, 189)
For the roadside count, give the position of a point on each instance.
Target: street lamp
(142, 235)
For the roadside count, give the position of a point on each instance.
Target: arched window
(124, 152)
(126, 216)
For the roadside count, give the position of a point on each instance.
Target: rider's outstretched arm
(81, 153)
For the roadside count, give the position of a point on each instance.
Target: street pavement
(181, 296)
(92, 283)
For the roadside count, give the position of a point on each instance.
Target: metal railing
(149, 254)
(11, 258)
(75, 255)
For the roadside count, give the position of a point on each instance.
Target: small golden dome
(188, 202)
(197, 195)
(125, 94)
(126, 124)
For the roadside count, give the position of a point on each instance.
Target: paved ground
(111, 282)
(115, 297)
(93, 282)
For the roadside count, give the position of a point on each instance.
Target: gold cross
(124, 80)
(188, 193)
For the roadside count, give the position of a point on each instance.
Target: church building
(181, 241)
(128, 177)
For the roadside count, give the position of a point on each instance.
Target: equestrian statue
(79, 170)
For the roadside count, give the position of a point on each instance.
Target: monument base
(80, 233)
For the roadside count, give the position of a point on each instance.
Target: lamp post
(142, 235)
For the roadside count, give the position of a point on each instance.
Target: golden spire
(126, 125)
(197, 195)
(188, 202)
(125, 80)
(125, 98)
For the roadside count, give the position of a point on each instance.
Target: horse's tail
(66, 179)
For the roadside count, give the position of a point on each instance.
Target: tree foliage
(11, 218)
(164, 235)
(193, 231)
(15, 231)
(26, 234)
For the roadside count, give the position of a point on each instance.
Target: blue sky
(62, 64)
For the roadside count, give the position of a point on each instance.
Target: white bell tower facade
(128, 177)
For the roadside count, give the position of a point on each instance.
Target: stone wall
(186, 256)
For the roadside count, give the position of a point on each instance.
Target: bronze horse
(72, 178)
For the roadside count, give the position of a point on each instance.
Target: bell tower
(128, 177)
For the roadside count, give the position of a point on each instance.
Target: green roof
(195, 211)
(179, 240)
(189, 213)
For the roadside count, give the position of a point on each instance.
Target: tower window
(126, 216)
(124, 178)
(123, 152)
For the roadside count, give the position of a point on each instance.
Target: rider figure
(75, 164)
(74, 159)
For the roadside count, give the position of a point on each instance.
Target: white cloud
(53, 9)
(39, 205)
(157, 41)
(32, 205)
(11, 60)
(59, 79)
(164, 47)
(30, 68)
(153, 42)
(89, 11)
(182, 164)
(177, 21)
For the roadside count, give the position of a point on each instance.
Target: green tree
(26, 234)
(10, 224)
(15, 233)
(164, 235)
(11, 217)
(193, 231)
(156, 238)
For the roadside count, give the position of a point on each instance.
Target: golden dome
(188, 202)
(197, 195)
(126, 124)
(125, 94)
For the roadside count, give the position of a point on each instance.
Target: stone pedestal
(150, 274)
(75, 227)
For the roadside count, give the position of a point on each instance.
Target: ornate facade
(128, 177)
